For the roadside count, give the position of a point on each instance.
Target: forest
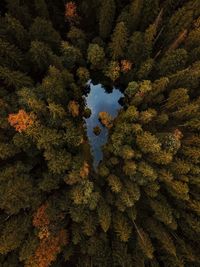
(140, 205)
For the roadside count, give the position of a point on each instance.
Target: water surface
(98, 99)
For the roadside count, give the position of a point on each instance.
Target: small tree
(20, 121)
(96, 56)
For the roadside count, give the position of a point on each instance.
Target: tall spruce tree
(106, 19)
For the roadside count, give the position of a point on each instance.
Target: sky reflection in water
(99, 100)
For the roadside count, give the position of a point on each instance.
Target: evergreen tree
(118, 41)
(107, 15)
(96, 55)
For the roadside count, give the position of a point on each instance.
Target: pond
(98, 100)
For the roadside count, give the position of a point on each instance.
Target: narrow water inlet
(98, 100)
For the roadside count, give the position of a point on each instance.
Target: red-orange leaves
(106, 119)
(178, 134)
(20, 121)
(51, 241)
(126, 65)
(41, 221)
(48, 250)
(40, 218)
(84, 172)
(73, 108)
(71, 11)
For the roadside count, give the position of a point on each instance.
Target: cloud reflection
(99, 100)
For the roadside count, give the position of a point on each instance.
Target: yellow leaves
(179, 189)
(145, 243)
(113, 70)
(73, 108)
(122, 227)
(44, 233)
(104, 214)
(76, 176)
(114, 183)
(105, 119)
(21, 121)
(57, 111)
(129, 168)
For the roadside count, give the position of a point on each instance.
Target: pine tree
(135, 11)
(173, 61)
(107, 14)
(42, 30)
(118, 41)
(96, 55)
(41, 9)
(149, 13)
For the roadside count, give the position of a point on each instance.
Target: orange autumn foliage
(106, 119)
(50, 242)
(84, 172)
(73, 108)
(20, 121)
(71, 11)
(40, 218)
(48, 249)
(126, 65)
(178, 134)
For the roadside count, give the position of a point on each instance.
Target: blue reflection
(99, 100)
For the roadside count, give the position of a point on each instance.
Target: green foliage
(77, 37)
(148, 143)
(149, 13)
(118, 41)
(13, 233)
(113, 71)
(149, 37)
(10, 55)
(121, 226)
(135, 11)
(19, 192)
(71, 55)
(14, 79)
(107, 13)
(41, 56)
(145, 244)
(135, 47)
(43, 31)
(96, 55)
(104, 214)
(83, 75)
(14, 32)
(41, 9)
(173, 61)
(140, 206)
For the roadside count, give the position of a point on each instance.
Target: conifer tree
(118, 41)
(96, 55)
(107, 14)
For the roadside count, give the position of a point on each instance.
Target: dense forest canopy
(141, 207)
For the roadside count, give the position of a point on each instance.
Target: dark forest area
(140, 207)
